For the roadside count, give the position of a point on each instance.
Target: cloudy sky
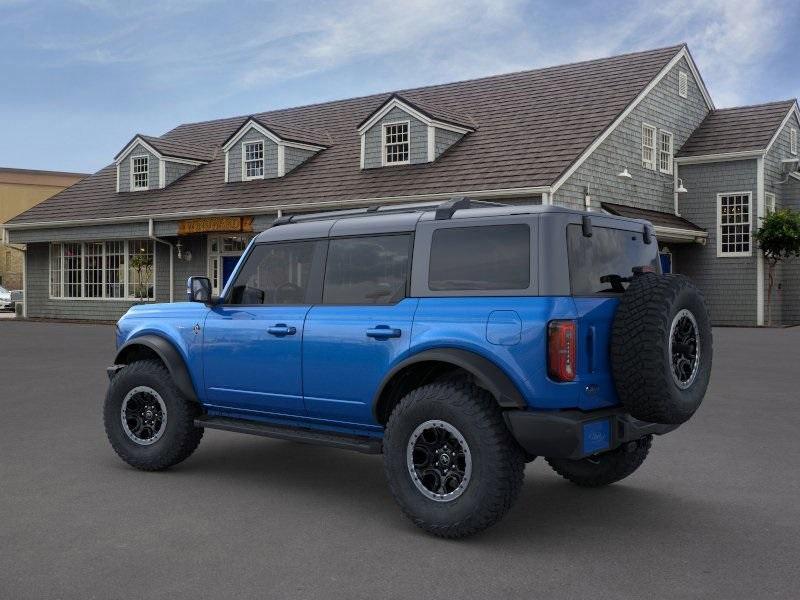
(80, 77)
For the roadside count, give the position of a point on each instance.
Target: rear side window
(367, 270)
(606, 252)
(491, 257)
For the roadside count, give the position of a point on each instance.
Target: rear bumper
(575, 434)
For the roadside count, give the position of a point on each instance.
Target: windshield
(3, 290)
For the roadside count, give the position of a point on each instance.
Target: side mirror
(198, 289)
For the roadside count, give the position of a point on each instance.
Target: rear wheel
(149, 423)
(450, 461)
(606, 468)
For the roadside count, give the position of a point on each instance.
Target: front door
(361, 327)
(253, 339)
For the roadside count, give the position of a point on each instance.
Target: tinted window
(606, 252)
(275, 274)
(367, 270)
(494, 257)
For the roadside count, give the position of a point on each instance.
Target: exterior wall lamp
(624, 174)
(680, 189)
(183, 255)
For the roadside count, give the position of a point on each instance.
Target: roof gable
(167, 149)
(420, 110)
(280, 134)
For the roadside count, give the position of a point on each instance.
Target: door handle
(383, 332)
(282, 329)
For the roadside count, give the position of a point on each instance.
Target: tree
(779, 239)
(142, 265)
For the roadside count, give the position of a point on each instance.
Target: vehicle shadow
(548, 509)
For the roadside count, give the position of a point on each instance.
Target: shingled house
(636, 135)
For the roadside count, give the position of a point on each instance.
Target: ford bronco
(459, 340)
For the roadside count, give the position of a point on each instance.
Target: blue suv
(460, 340)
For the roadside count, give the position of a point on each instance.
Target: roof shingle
(530, 127)
(739, 129)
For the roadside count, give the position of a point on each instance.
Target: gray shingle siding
(443, 139)
(786, 288)
(270, 156)
(728, 283)
(125, 169)
(294, 157)
(418, 138)
(175, 170)
(650, 189)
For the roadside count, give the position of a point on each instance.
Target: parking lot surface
(713, 513)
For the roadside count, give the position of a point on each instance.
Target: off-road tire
(180, 437)
(604, 469)
(498, 464)
(640, 357)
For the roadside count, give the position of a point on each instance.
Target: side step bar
(363, 444)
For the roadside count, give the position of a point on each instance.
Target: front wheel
(149, 423)
(451, 464)
(606, 468)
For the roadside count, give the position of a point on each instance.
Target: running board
(358, 443)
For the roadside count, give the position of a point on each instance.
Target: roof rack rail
(444, 210)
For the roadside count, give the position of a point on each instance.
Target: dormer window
(150, 163)
(402, 132)
(253, 153)
(395, 143)
(140, 169)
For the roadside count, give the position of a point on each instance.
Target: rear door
(362, 325)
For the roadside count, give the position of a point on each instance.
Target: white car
(5, 299)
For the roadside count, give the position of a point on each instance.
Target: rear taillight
(561, 350)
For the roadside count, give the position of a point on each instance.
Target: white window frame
(651, 164)
(793, 140)
(769, 202)
(683, 84)
(61, 285)
(729, 254)
(665, 154)
(134, 187)
(384, 146)
(263, 160)
(216, 252)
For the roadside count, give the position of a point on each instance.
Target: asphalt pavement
(713, 513)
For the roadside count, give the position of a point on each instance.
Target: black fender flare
(169, 355)
(487, 374)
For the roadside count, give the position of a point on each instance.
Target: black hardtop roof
(404, 217)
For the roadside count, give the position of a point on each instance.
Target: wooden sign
(216, 224)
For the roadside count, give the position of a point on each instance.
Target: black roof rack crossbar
(284, 220)
(447, 209)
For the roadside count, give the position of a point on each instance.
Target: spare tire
(661, 348)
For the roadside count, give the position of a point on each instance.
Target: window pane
(115, 269)
(140, 269)
(734, 220)
(607, 252)
(367, 270)
(275, 274)
(72, 270)
(495, 257)
(93, 270)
